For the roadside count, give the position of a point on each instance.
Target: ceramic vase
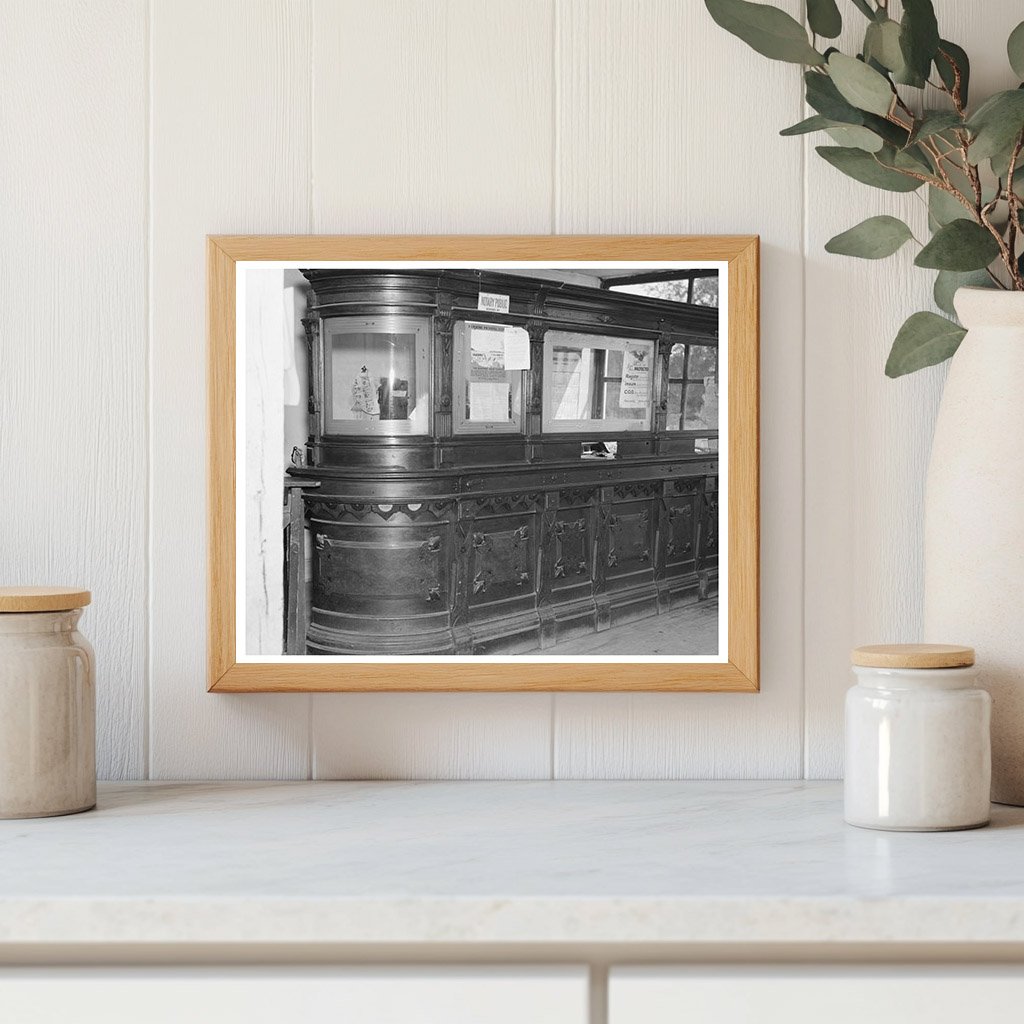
(974, 517)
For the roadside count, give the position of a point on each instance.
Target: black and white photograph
(499, 460)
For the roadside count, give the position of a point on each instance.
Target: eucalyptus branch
(955, 94)
(1013, 203)
(904, 48)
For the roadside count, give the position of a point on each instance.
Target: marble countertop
(500, 862)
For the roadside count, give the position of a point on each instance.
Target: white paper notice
(488, 401)
(492, 302)
(517, 349)
(635, 389)
(486, 353)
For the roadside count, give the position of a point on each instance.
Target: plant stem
(954, 93)
(1013, 203)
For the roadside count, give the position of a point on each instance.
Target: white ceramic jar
(47, 704)
(918, 749)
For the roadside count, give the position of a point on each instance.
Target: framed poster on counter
(483, 463)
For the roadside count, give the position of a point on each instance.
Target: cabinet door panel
(295, 996)
(812, 995)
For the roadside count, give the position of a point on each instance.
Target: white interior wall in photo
(134, 128)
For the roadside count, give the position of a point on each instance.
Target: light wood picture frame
(737, 669)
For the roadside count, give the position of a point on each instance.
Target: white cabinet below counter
(276, 995)
(812, 995)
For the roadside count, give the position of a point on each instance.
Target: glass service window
(597, 385)
(693, 390)
(698, 287)
(376, 375)
(488, 366)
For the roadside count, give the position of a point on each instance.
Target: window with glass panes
(692, 368)
(693, 387)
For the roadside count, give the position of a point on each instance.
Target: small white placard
(635, 389)
(517, 349)
(492, 302)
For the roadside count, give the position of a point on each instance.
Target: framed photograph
(483, 463)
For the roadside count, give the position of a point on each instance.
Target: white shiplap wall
(133, 129)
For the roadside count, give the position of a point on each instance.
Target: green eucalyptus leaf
(824, 18)
(1015, 50)
(926, 339)
(912, 159)
(860, 85)
(864, 7)
(825, 98)
(934, 122)
(882, 44)
(769, 31)
(857, 137)
(951, 55)
(817, 123)
(948, 282)
(996, 125)
(959, 245)
(1001, 161)
(960, 181)
(872, 239)
(866, 168)
(892, 133)
(943, 208)
(919, 36)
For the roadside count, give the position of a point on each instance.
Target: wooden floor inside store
(690, 630)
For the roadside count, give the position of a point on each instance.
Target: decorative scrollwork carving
(576, 496)
(576, 526)
(637, 489)
(444, 325)
(338, 511)
(504, 504)
(311, 326)
(536, 399)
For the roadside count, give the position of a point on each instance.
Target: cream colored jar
(918, 750)
(47, 704)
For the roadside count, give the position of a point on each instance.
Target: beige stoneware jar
(47, 704)
(918, 747)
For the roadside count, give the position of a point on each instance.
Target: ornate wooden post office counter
(483, 481)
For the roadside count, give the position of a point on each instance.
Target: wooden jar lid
(913, 656)
(42, 599)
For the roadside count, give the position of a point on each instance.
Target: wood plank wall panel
(73, 332)
(665, 124)
(432, 116)
(868, 437)
(602, 115)
(230, 153)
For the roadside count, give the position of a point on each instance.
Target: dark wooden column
(535, 379)
(315, 362)
(443, 329)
